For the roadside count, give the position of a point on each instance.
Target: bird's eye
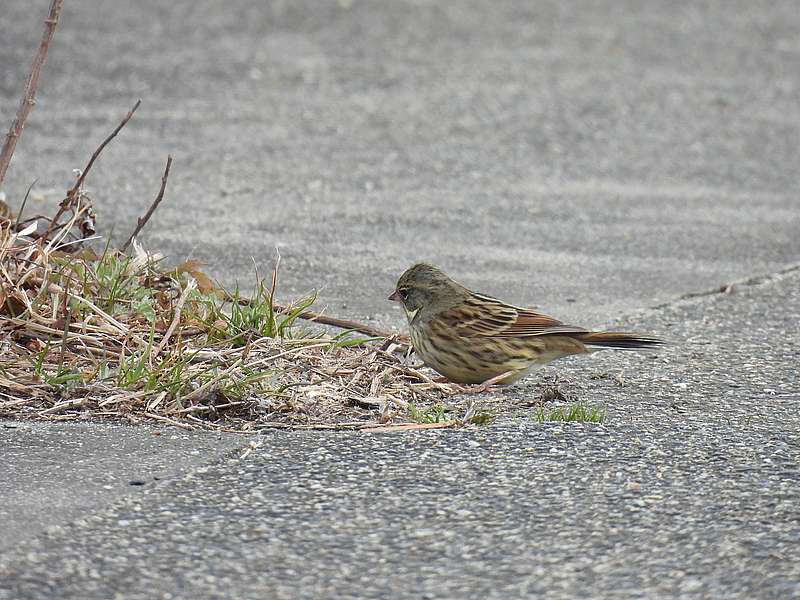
(403, 293)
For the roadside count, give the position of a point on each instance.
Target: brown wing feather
(484, 316)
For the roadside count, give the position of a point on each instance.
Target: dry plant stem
(100, 148)
(163, 419)
(190, 287)
(143, 220)
(342, 323)
(66, 202)
(348, 425)
(198, 393)
(24, 202)
(29, 97)
(309, 315)
(409, 427)
(66, 405)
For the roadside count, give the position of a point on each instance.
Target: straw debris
(121, 336)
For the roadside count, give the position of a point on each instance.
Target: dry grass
(117, 336)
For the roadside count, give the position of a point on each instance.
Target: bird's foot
(487, 386)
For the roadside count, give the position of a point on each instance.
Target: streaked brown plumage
(472, 338)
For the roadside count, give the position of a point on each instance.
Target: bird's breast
(460, 359)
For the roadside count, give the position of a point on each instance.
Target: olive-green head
(425, 290)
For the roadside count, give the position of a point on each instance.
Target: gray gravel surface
(50, 474)
(689, 489)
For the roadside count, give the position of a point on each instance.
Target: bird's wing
(484, 316)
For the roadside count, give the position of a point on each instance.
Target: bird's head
(425, 290)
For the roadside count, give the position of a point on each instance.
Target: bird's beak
(395, 297)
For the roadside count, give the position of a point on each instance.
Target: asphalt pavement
(688, 489)
(600, 160)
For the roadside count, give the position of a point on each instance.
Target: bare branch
(69, 200)
(308, 315)
(143, 220)
(29, 97)
(371, 331)
(71, 193)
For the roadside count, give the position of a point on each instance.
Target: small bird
(473, 338)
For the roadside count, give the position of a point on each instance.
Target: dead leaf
(204, 283)
(192, 267)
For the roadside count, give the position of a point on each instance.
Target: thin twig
(316, 426)
(66, 405)
(371, 331)
(173, 422)
(24, 202)
(143, 220)
(309, 315)
(67, 201)
(190, 287)
(410, 427)
(71, 193)
(29, 97)
(65, 337)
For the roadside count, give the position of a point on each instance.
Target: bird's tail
(619, 340)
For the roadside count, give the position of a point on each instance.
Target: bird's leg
(487, 385)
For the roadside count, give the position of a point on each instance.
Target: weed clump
(116, 335)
